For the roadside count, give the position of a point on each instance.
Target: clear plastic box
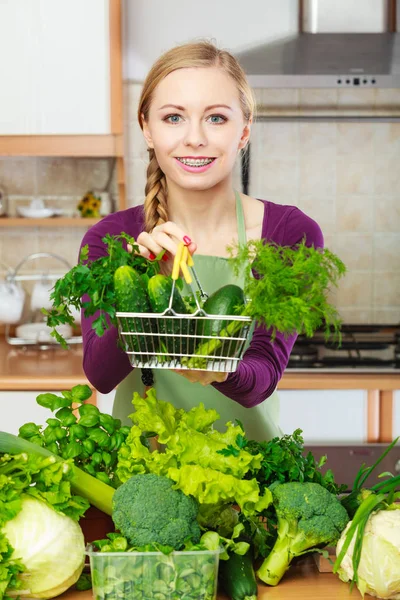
(154, 575)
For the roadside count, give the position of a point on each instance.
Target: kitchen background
(343, 174)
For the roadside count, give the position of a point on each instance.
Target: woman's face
(196, 127)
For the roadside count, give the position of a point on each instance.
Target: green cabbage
(379, 568)
(51, 547)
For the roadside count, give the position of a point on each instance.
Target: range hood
(336, 48)
(326, 60)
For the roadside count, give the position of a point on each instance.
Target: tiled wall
(344, 175)
(60, 182)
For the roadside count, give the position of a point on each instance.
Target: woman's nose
(195, 135)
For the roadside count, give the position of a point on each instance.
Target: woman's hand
(163, 237)
(203, 377)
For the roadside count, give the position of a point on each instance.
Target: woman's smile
(195, 164)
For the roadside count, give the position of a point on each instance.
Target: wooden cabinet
(55, 67)
(61, 68)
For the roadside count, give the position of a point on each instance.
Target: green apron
(260, 422)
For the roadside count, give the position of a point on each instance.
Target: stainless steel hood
(326, 60)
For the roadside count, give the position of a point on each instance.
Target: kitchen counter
(302, 582)
(57, 369)
(39, 370)
(32, 369)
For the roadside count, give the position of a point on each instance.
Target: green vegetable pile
(183, 496)
(92, 440)
(288, 294)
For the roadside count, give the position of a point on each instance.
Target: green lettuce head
(379, 568)
(50, 546)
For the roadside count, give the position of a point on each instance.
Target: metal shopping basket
(170, 340)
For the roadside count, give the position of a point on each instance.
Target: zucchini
(237, 578)
(228, 300)
(131, 296)
(159, 289)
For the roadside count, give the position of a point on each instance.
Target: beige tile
(136, 177)
(274, 140)
(357, 316)
(356, 139)
(311, 99)
(18, 175)
(322, 209)
(387, 138)
(387, 98)
(18, 244)
(355, 250)
(318, 138)
(386, 315)
(71, 175)
(386, 252)
(354, 176)
(355, 289)
(386, 289)
(276, 176)
(387, 214)
(354, 213)
(387, 174)
(350, 99)
(317, 175)
(64, 245)
(278, 100)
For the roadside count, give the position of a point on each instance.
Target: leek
(99, 494)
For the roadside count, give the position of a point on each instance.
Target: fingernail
(165, 257)
(152, 256)
(187, 240)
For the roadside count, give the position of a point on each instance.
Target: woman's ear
(245, 135)
(146, 132)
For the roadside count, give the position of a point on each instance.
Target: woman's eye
(217, 119)
(172, 119)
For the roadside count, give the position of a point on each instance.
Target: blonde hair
(196, 54)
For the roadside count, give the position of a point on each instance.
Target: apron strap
(241, 225)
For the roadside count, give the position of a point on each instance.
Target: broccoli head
(308, 517)
(147, 510)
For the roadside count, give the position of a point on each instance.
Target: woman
(196, 111)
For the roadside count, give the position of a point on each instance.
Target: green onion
(98, 493)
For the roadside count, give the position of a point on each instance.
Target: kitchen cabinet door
(55, 66)
(325, 415)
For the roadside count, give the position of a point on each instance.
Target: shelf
(61, 145)
(52, 222)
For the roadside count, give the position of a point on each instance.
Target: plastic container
(154, 575)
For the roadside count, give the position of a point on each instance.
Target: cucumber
(131, 296)
(159, 289)
(237, 578)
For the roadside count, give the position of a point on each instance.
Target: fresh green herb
(92, 489)
(95, 280)
(92, 441)
(289, 291)
(84, 582)
(352, 501)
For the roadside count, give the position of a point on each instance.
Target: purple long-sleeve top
(263, 363)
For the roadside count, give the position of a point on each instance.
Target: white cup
(12, 297)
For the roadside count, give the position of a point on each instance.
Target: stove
(369, 347)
